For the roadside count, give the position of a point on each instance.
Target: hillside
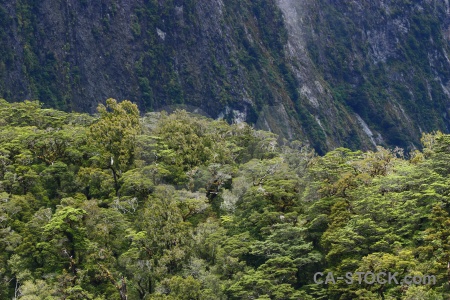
(334, 73)
(183, 207)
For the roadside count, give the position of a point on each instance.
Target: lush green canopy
(178, 206)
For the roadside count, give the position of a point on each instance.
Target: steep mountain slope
(334, 73)
(387, 61)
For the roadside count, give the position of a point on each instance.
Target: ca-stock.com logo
(370, 278)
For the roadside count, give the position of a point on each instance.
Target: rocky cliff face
(386, 61)
(351, 73)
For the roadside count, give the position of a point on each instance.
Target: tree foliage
(181, 207)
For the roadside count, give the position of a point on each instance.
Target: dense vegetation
(182, 207)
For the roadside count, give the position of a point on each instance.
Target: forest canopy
(178, 206)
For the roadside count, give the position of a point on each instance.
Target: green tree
(114, 136)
